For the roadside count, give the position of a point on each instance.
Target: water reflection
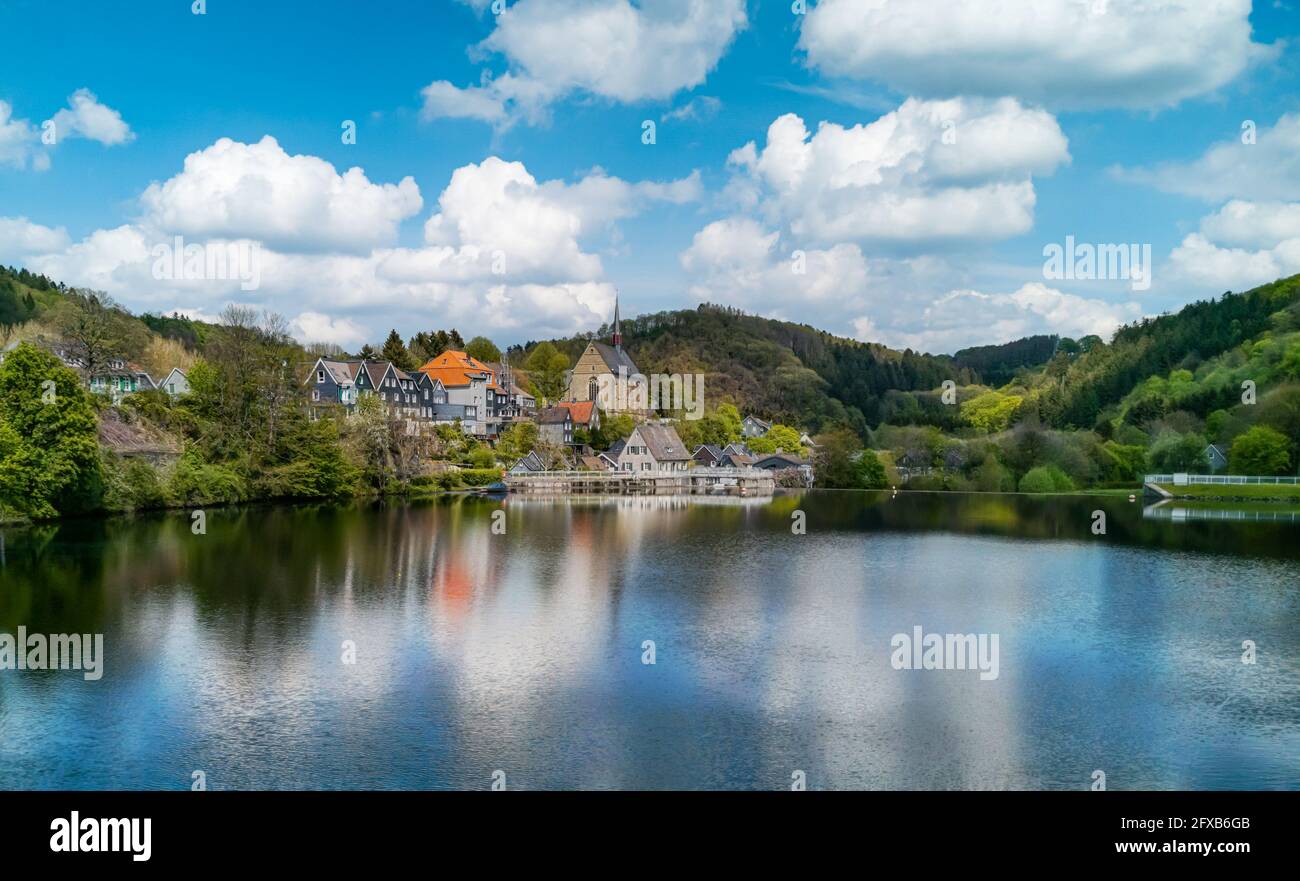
(521, 649)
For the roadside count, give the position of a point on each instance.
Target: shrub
(194, 482)
(1045, 479)
(131, 485)
(1262, 450)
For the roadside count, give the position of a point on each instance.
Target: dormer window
(320, 375)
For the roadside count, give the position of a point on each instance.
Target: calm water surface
(522, 652)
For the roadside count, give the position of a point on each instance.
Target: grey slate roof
(554, 416)
(664, 443)
(614, 358)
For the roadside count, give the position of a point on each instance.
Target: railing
(1226, 479)
(637, 475)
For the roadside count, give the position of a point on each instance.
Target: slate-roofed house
(1216, 458)
(119, 378)
(528, 464)
(735, 460)
(654, 447)
(752, 426)
(175, 383)
(514, 401)
(414, 397)
(628, 392)
(785, 462)
(555, 425)
(708, 455)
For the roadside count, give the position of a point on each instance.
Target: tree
(367, 353)
(1262, 450)
(483, 349)
(990, 412)
(546, 366)
(779, 437)
(842, 463)
(49, 452)
(97, 329)
(517, 441)
(1173, 452)
(395, 350)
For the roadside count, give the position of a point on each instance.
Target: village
(485, 399)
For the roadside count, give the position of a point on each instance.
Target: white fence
(1190, 479)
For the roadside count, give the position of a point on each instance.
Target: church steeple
(617, 336)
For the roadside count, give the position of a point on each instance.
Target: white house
(175, 383)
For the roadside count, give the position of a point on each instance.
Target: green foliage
(483, 349)
(1173, 452)
(517, 440)
(990, 412)
(194, 482)
(395, 350)
(546, 366)
(49, 456)
(482, 458)
(479, 476)
(1261, 451)
(1046, 479)
(131, 484)
(779, 437)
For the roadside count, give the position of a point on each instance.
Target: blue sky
(910, 161)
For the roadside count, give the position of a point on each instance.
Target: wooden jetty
(696, 481)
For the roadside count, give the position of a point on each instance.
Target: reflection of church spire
(617, 337)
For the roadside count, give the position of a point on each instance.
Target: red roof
(454, 368)
(581, 410)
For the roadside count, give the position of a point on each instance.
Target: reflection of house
(176, 383)
(653, 448)
(118, 378)
(611, 366)
(1216, 458)
(555, 426)
(752, 426)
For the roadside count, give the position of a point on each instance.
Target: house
(913, 463)
(609, 365)
(175, 383)
(807, 442)
(707, 455)
(119, 378)
(737, 449)
(555, 426)
(735, 459)
(414, 397)
(595, 463)
(785, 462)
(653, 448)
(586, 414)
(519, 403)
(528, 464)
(471, 383)
(1216, 458)
(752, 426)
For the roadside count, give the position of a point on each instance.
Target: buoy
(1132, 498)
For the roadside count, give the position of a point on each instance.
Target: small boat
(493, 489)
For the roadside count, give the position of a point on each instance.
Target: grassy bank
(1240, 491)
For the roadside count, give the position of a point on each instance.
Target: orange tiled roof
(454, 368)
(581, 409)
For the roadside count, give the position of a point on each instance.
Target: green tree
(1173, 452)
(49, 452)
(1260, 451)
(546, 366)
(483, 349)
(395, 350)
(1046, 479)
(779, 437)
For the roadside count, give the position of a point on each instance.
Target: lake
(521, 653)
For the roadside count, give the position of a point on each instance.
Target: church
(608, 367)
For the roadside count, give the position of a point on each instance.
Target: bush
(1046, 479)
(1261, 451)
(131, 485)
(194, 482)
(479, 476)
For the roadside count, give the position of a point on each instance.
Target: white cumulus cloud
(1062, 53)
(930, 171)
(611, 49)
(291, 203)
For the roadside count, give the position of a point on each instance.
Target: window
(315, 394)
(320, 375)
(593, 389)
(645, 466)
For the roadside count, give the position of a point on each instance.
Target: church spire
(617, 336)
